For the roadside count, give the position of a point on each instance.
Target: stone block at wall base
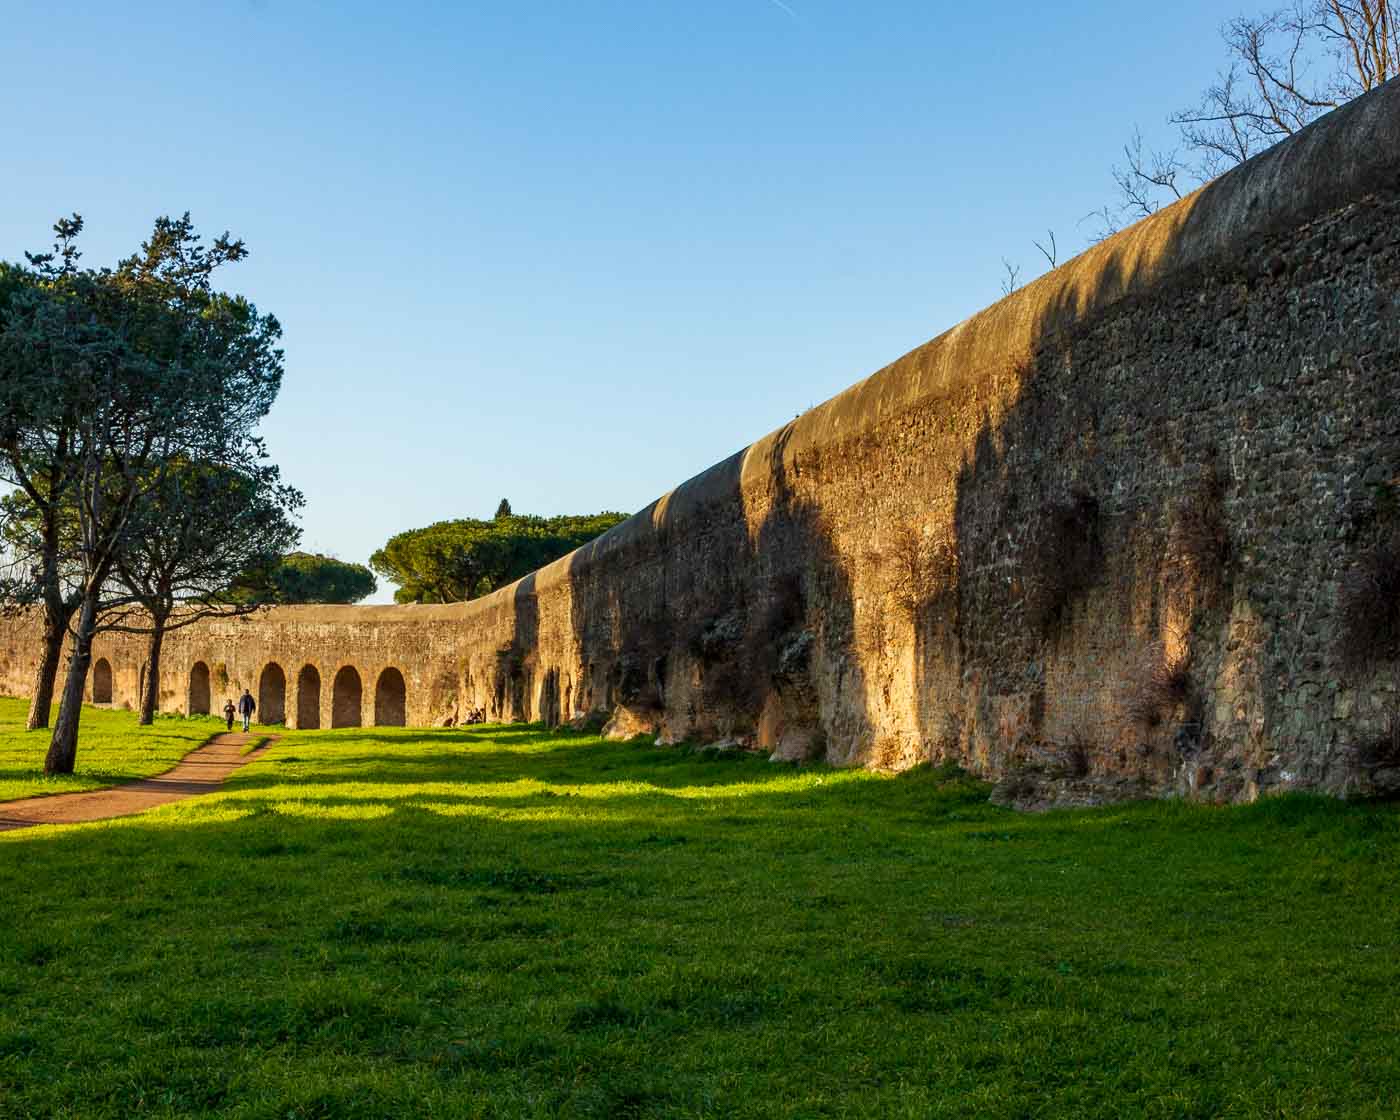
(1033, 791)
(628, 723)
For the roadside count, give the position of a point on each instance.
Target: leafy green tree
(304, 577)
(199, 530)
(503, 510)
(43, 330)
(110, 378)
(453, 561)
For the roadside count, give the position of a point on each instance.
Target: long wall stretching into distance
(1114, 532)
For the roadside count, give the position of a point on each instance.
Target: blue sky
(573, 253)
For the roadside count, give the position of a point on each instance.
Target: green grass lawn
(507, 922)
(111, 749)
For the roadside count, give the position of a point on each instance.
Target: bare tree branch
(1009, 282)
(1285, 69)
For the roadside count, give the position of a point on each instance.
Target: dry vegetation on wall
(1163, 689)
(508, 686)
(1369, 606)
(1062, 557)
(782, 650)
(639, 674)
(784, 616)
(713, 640)
(1040, 774)
(742, 654)
(1070, 758)
(1382, 751)
(1197, 552)
(717, 646)
(638, 684)
(923, 569)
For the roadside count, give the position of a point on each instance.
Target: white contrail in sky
(780, 4)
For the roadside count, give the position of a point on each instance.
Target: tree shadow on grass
(507, 951)
(547, 757)
(690, 795)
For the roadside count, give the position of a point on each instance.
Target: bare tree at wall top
(1285, 69)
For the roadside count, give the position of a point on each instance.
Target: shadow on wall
(1065, 520)
(1113, 631)
(621, 616)
(707, 631)
(517, 662)
(805, 662)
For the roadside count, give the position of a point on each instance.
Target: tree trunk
(151, 692)
(41, 699)
(63, 747)
(57, 614)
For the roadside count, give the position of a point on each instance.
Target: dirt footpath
(201, 771)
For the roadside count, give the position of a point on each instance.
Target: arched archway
(390, 699)
(345, 698)
(199, 689)
(102, 681)
(309, 698)
(272, 694)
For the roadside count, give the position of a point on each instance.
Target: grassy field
(506, 922)
(111, 749)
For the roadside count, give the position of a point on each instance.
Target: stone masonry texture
(1097, 540)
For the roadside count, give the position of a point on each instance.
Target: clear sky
(572, 253)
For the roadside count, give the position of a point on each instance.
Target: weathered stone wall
(1098, 537)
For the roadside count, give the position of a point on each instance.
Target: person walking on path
(246, 707)
(229, 711)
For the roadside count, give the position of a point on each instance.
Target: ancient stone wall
(1114, 534)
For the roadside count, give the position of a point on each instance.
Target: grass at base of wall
(112, 748)
(509, 922)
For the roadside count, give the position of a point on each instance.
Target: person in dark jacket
(229, 712)
(246, 707)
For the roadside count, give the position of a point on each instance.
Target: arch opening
(346, 698)
(390, 699)
(272, 694)
(309, 698)
(102, 681)
(199, 689)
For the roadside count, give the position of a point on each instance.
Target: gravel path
(201, 771)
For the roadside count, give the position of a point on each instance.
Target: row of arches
(512, 695)
(298, 703)
(347, 696)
